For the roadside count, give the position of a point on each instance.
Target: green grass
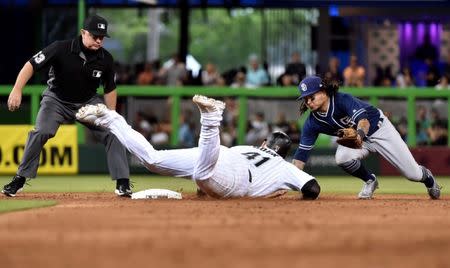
(102, 183)
(12, 205)
(99, 183)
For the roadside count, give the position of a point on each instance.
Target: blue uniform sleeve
(45, 56)
(307, 140)
(355, 108)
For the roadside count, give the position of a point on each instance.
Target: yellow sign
(59, 155)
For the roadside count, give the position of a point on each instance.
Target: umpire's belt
(249, 176)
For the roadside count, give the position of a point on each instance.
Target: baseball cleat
(368, 189)
(208, 105)
(435, 190)
(89, 113)
(14, 187)
(123, 188)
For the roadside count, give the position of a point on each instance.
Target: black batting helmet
(279, 142)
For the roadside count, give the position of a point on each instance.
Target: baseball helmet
(279, 142)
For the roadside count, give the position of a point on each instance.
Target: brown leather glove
(349, 137)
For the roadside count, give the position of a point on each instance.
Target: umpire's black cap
(96, 25)
(309, 86)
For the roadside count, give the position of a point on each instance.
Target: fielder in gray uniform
(332, 111)
(77, 68)
(220, 172)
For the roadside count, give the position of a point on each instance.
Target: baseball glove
(349, 137)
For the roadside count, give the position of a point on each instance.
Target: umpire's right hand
(14, 100)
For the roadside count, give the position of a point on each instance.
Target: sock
(356, 169)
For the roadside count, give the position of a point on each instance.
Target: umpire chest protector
(75, 73)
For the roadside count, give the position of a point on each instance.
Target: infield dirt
(101, 230)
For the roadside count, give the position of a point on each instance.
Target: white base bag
(156, 194)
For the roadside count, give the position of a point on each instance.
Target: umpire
(77, 68)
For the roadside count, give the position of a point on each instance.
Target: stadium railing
(410, 95)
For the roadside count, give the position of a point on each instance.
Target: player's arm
(36, 63)
(299, 164)
(363, 128)
(111, 99)
(307, 140)
(15, 97)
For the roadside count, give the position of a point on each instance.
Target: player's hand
(14, 100)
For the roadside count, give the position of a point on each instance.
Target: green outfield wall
(410, 95)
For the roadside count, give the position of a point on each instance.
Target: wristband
(361, 133)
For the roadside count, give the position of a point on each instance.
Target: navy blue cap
(309, 86)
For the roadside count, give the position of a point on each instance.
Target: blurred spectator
(432, 74)
(438, 130)
(422, 125)
(383, 76)
(210, 76)
(446, 66)
(404, 78)
(124, 74)
(160, 135)
(281, 124)
(296, 68)
(228, 135)
(186, 133)
(443, 83)
(426, 50)
(142, 125)
(354, 74)
(294, 72)
(284, 80)
(258, 130)
(174, 72)
(438, 133)
(157, 78)
(239, 80)
(256, 75)
(145, 77)
(231, 112)
(333, 73)
(402, 127)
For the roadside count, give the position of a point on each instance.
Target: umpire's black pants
(52, 113)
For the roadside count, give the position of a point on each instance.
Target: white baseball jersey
(269, 171)
(220, 171)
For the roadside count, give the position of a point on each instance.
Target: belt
(380, 121)
(249, 176)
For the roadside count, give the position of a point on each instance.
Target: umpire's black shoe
(123, 188)
(15, 186)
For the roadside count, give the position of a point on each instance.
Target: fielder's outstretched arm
(299, 164)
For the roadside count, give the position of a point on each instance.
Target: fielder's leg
(350, 161)
(390, 145)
